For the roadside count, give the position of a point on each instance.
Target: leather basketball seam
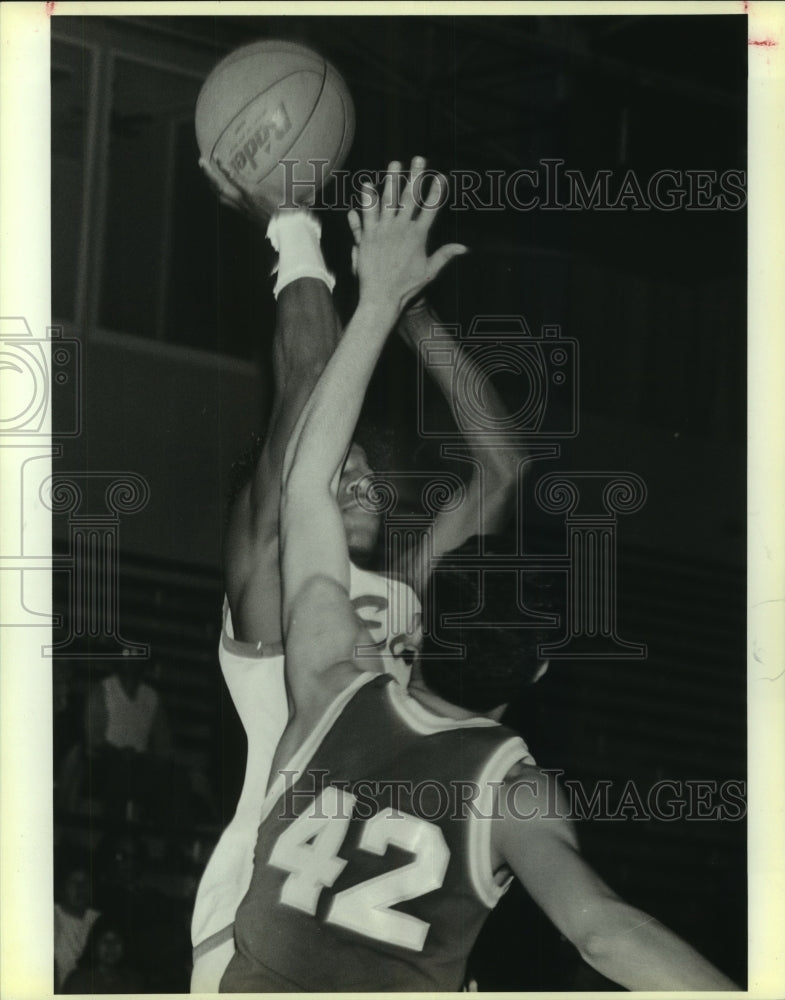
(267, 90)
(315, 105)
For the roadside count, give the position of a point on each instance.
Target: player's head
(119, 860)
(130, 672)
(105, 947)
(361, 520)
(72, 882)
(500, 662)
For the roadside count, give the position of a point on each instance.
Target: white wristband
(296, 237)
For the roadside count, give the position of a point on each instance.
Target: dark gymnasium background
(169, 298)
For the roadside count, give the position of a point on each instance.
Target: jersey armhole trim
(512, 751)
(214, 941)
(426, 723)
(246, 650)
(298, 763)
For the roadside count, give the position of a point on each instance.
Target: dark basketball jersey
(372, 868)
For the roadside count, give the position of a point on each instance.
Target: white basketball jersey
(254, 676)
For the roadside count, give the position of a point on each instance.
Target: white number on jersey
(308, 850)
(365, 908)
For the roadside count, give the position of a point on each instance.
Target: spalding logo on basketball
(267, 102)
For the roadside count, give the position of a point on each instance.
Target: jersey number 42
(308, 850)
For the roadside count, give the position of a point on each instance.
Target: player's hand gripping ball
(264, 103)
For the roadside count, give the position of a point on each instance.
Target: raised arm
(306, 332)
(492, 487)
(392, 266)
(620, 941)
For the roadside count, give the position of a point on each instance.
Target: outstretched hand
(389, 254)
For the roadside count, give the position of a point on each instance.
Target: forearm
(313, 542)
(307, 330)
(496, 460)
(306, 334)
(499, 459)
(637, 952)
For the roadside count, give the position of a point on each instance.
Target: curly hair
(374, 437)
(500, 661)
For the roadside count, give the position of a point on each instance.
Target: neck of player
(428, 698)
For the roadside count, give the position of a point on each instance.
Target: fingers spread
(390, 191)
(437, 194)
(355, 225)
(412, 193)
(443, 256)
(369, 204)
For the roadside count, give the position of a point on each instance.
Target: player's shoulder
(323, 631)
(528, 771)
(371, 581)
(323, 600)
(322, 585)
(460, 725)
(527, 794)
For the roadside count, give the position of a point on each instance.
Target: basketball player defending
(350, 891)
(250, 651)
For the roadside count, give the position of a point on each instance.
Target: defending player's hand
(390, 237)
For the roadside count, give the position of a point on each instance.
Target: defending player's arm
(319, 624)
(306, 333)
(492, 487)
(620, 941)
(392, 266)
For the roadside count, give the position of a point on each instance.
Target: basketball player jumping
(251, 652)
(352, 889)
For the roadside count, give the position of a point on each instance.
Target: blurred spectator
(73, 915)
(155, 924)
(67, 735)
(122, 866)
(129, 744)
(105, 966)
(122, 753)
(66, 709)
(125, 713)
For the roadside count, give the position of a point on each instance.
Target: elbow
(625, 945)
(501, 487)
(603, 926)
(504, 481)
(504, 471)
(595, 949)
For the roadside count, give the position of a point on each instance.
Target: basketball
(268, 102)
